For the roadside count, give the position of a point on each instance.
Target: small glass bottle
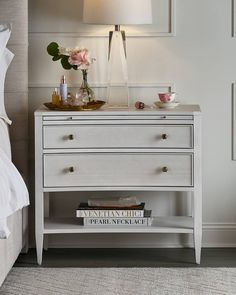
(78, 100)
(63, 90)
(56, 97)
(70, 99)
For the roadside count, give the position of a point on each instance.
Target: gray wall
(199, 63)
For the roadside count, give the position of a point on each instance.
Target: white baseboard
(220, 235)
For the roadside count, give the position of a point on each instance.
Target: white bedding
(13, 192)
(5, 33)
(4, 138)
(5, 61)
(10, 180)
(6, 57)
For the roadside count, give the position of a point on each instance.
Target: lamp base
(117, 89)
(118, 96)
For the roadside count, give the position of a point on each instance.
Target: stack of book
(114, 212)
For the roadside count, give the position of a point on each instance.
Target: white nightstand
(115, 150)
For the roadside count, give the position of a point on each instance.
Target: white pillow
(5, 61)
(5, 33)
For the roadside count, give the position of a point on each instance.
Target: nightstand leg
(46, 215)
(197, 225)
(197, 244)
(39, 223)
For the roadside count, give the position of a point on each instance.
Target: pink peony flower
(80, 58)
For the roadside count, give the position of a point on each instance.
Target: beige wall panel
(12, 107)
(16, 13)
(20, 61)
(18, 129)
(16, 81)
(20, 156)
(44, 70)
(17, 74)
(71, 14)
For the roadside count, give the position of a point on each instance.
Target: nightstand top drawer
(117, 136)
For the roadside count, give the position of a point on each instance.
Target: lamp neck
(117, 28)
(112, 34)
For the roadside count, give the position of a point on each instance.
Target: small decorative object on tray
(139, 105)
(114, 212)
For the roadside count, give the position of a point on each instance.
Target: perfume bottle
(78, 100)
(63, 90)
(56, 97)
(70, 99)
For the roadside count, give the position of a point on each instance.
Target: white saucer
(166, 105)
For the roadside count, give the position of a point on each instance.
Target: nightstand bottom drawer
(118, 169)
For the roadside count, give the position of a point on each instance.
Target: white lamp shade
(117, 12)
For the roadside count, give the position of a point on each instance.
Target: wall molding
(234, 121)
(233, 16)
(224, 226)
(170, 33)
(169, 85)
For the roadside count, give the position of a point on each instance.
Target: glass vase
(85, 93)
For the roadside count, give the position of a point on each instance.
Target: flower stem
(85, 86)
(85, 75)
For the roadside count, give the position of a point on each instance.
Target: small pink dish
(167, 97)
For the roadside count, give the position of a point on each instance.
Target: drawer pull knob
(71, 169)
(164, 136)
(165, 169)
(71, 137)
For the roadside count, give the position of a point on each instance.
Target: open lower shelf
(173, 224)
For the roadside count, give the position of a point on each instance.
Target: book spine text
(110, 213)
(117, 221)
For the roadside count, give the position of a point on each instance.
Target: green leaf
(53, 49)
(75, 67)
(57, 57)
(65, 63)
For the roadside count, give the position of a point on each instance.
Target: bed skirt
(11, 247)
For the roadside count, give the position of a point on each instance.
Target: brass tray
(90, 106)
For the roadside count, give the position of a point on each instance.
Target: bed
(13, 191)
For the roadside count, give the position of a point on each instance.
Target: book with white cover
(116, 222)
(84, 210)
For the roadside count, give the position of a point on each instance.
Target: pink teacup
(167, 97)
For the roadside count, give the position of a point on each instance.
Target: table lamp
(117, 12)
